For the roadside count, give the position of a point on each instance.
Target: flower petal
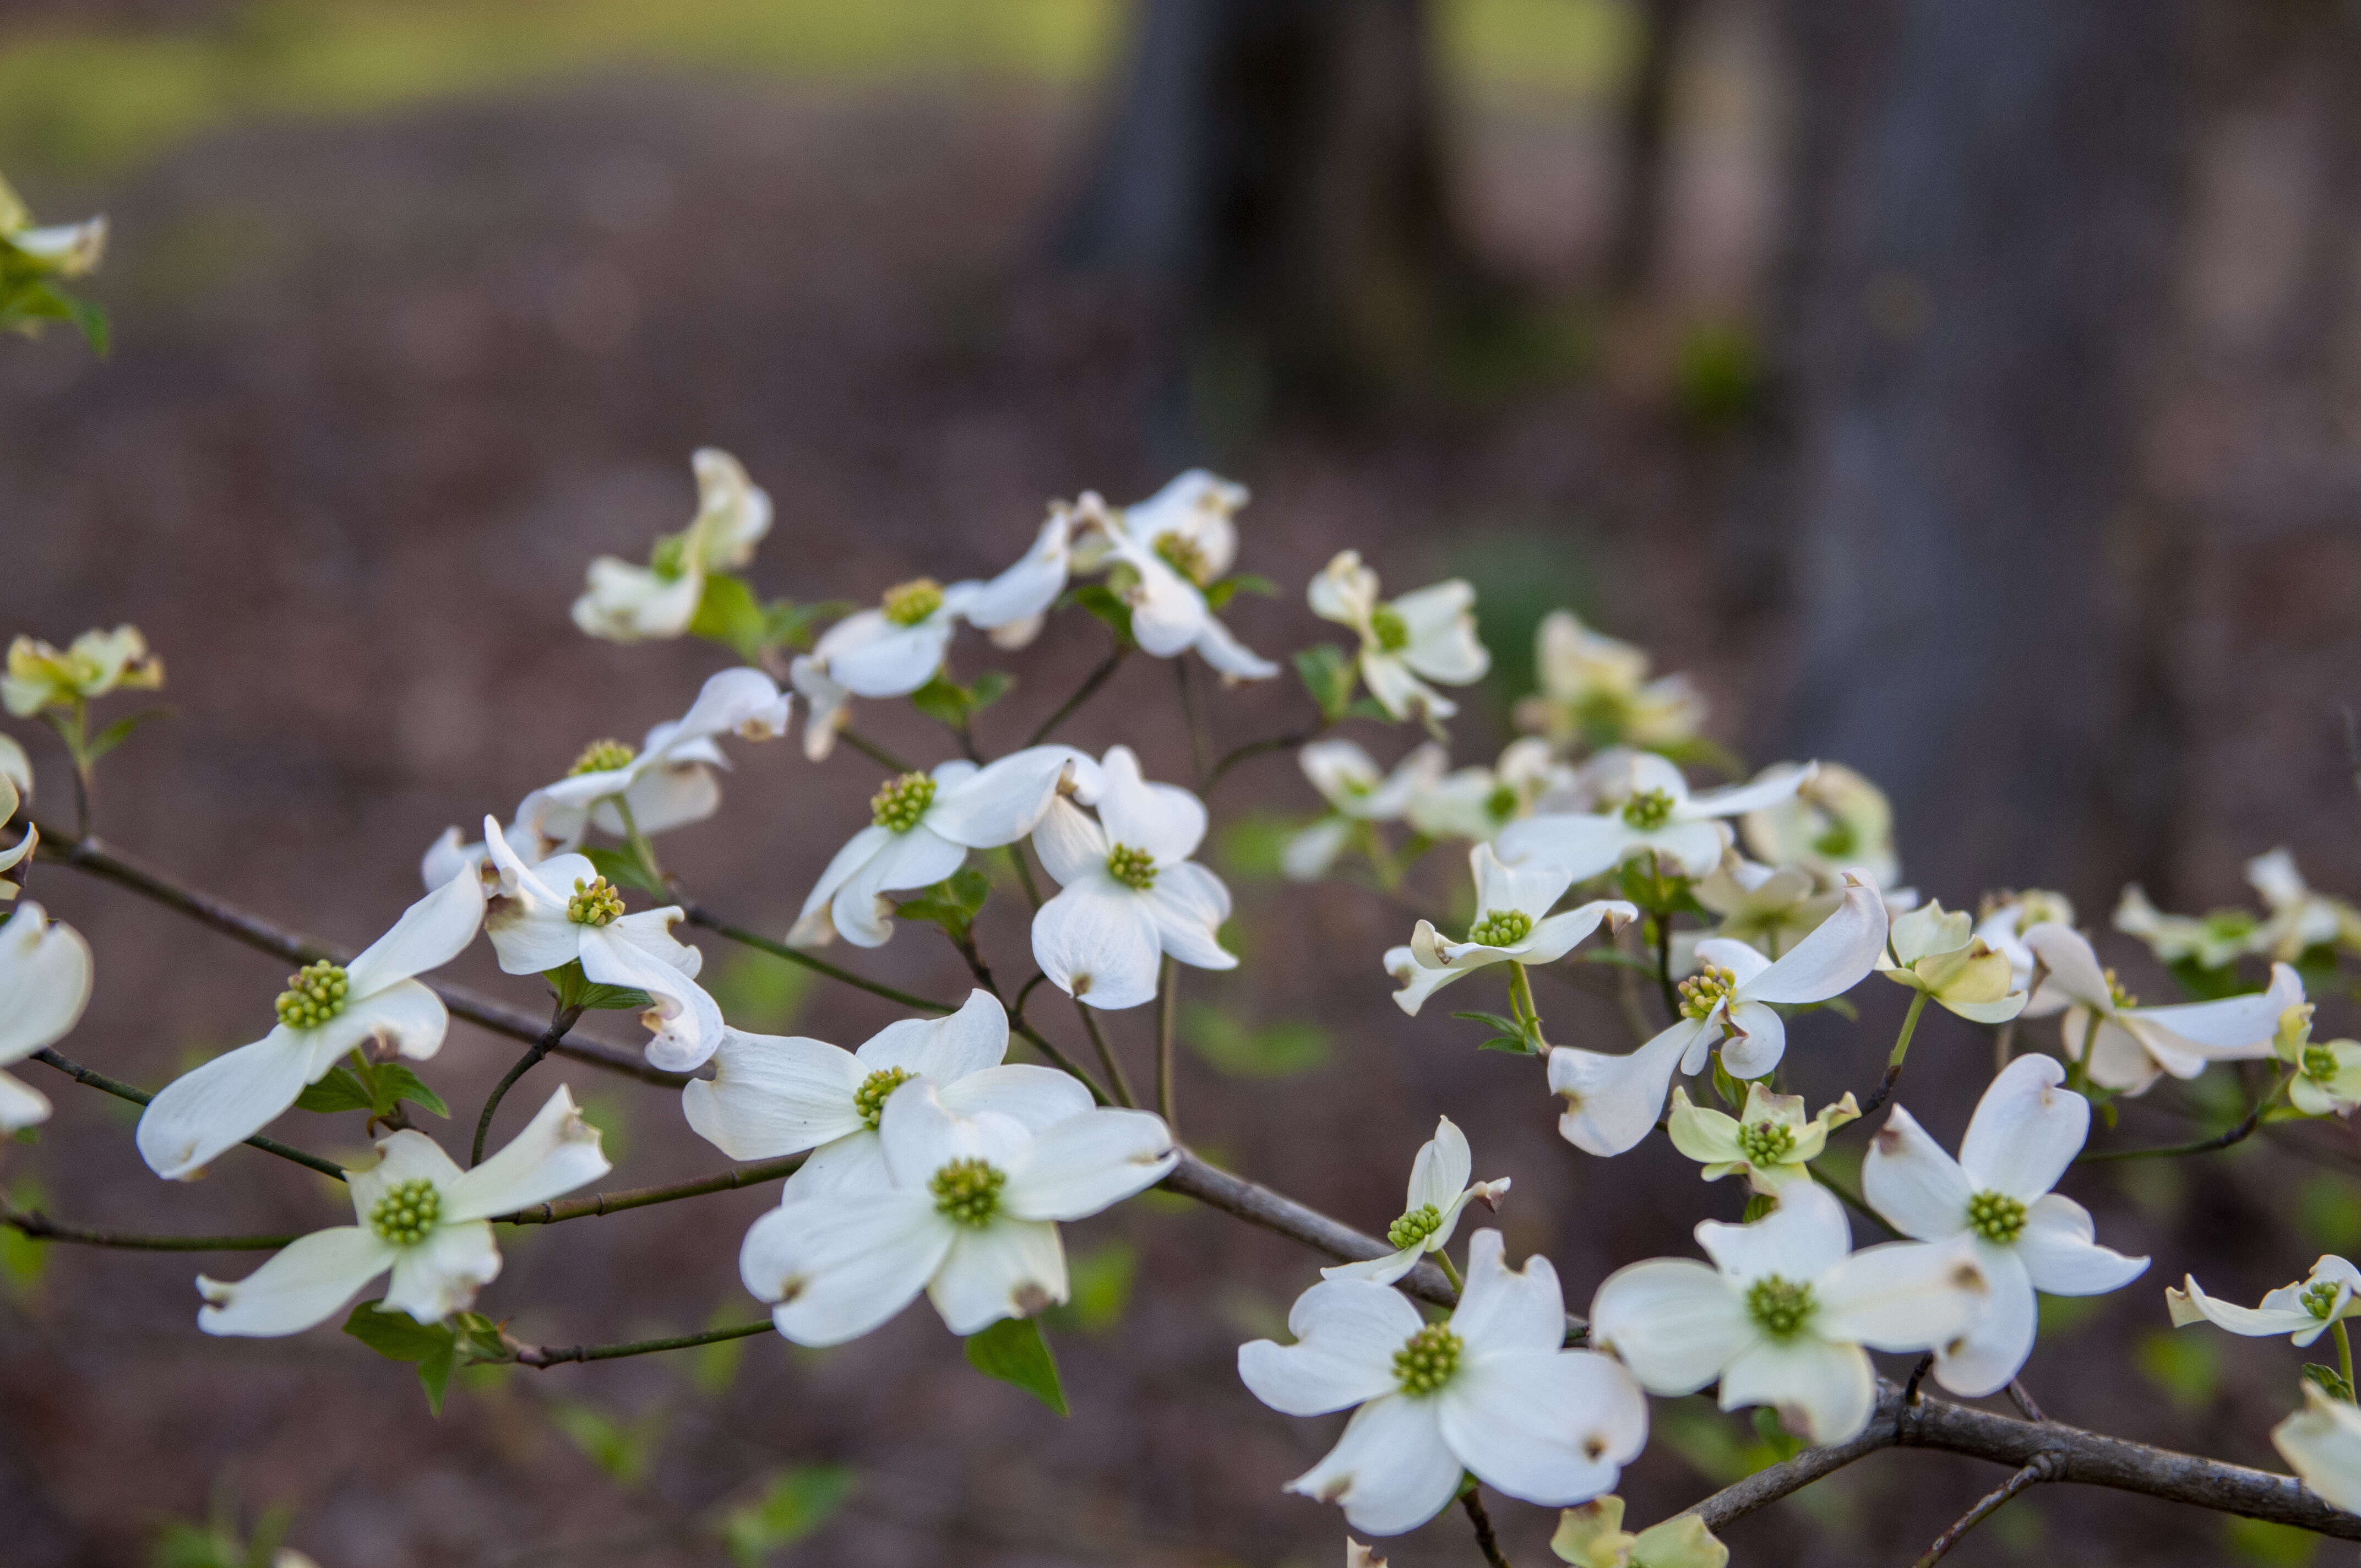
(1800, 1240)
(1503, 1309)
(1903, 1295)
(1188, 904)
(919, 857)
(1674, 1321)
(1097, 941)
(921, 1135)
(1835, 958)
(221, 1103)
(441, 1274)
(405, 1017)
(1312, 852)
(1983, 1360)
(774, 1094)
(557, 1151)
(45, 973)
(855, 1162)
(1907, 1178)
(2074, 974)
(1440, 1172)
(1758, 1038)
(1392, 1470)
(1034, 1097)
(945, 1050)
(2322, 1444)
(1072, 845)
(1087, 1163)
(841, 1264)
(1164, 819)
(430, 934)
(1580, 845)
(1547, 1427)
(1003, 802)
(304, 1283)
(2191, 1304)
(1346, 1331)
(1010, 1268)
(880, 659)
(21, 1104)
(1612, 1102)
(684, 1024)
(2026, 1130)
(2060, 1253)
(1824, 1393)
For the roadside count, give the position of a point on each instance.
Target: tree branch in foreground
(551, 1355)
(48, 1057)
(41, 1228)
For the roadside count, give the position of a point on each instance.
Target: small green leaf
(1758, 1205)
(1108, 606)
(1329, 674)
(1513, 1043)
(398, 1336)
(116, 734)
(1218, 595)
(339, 1090)
(728, 614)
(796, 1502)
(622, 868)
(1505, 1025)
(2330, 1381)
(396, 1084)
(574, 989)
(787, 624)
(1014, 1351)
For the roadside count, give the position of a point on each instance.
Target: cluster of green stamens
(1414, 1227)
(1836, 840)
(2319, 1063)
(1765, 1143)
(1427, 1359)
(2320, 1299)
(1186, 556)
(900, 802)
(1780, 1306)
(871, 1097)
(407, 1211)
(2115, 991)
(1501, 928)
(1706, 990)
(1996, 1217)
(1648, 810)
(906, 604)
(1133, 868)
(1387, 625)
(596, 901)
(601, 757)
(314, 994)
(967, 1191)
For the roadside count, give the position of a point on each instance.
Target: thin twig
(2222, 1140)
(2019, 1395)
(1254, 749)
(874, 751)
(548, 1356)
(602, 1204)
(1664, 966)
(722, 929)
(121, 1090)
(1486, 1542)
(1107, 1059)
(1019, 1026)
(1168, 1001)
(40, 1227)
(1025, 873)
(561, 1018)
(2033, 1475)
(1200, 743)
(1089, 688)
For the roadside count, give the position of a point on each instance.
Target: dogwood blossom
(1658, 817)
(1769, 1140)
(1835, 821)
(1613, 1100)
(1439, 1189)
(921, 826)
(772, 1095)
(625, 603)
(64, 250)
(2215, 941)
(2322, 1444)
(326, 1009)
(1011, 606)
(1768, 908)
(1593, 1536)
(2130, 1046)
(1170, 548)
(2024, 1134)
(1512, 925)
(1596, 692)
(2003, 919)
(966, 1211)
(2300, 918)
(2327, 1077)
(561, 910)
(39, 676)
(45, 971)
(417, 1213)
(1421, 637)
(15, 854)
(1476, 803)
(1128, 891)
(1783, 1313)
(1358, 791)
(2303, 1310)
(1938, 953)
(1491, 1392)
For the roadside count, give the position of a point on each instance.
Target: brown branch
(601, 1203)
(2044, 1467)
(48, 1057)
(722, 929)
(1486, 1542)
(41, 1228)
(1089, 688)
(551, 1355)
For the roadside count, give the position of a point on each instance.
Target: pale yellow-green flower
(2327, 1079)
(1593, 1536)
(1936, 951)
(1769, 1142)
(41, 676)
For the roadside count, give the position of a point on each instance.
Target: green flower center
(1502, 803)
(314, 993)
(1414, 1227)
(597, 902)
(2121, 998)
(1427, 1359)
(407, 1211)
(1780, 1305)
(601, 757)
(669, 559)
(906, 604)
(874, 1091)
(1184, 556)
(2320, 1299)
(967, 1191)
(1649, 810)
(1996, 1217)
(1836, 840)
(2319, 1063)
(1133, 868)
(1501, 928)
(1387, 625)
(1706, 990)
(1765, 1143)
(2230, 924)
(900, 802)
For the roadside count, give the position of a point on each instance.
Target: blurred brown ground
(383, 388)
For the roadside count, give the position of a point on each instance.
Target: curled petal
(1391, 1471)
(1346, 1331)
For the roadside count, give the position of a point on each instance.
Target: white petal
(2236, 1025)
(2322, 1444)
(1674, 1321)
(1392, 1470)
(1097, 940)
(21, 1104)
(1034, 1097)
(1824, 1393)
(663, 798)
(1558, 935)
(2060, 1253)
(921, 1135)
(1003, 802)
(1580, 846)
(1164, 819)
(1907, 1177)
(843, 866)
(919, 857)
(2026, 1130)
(304, 1283)
(774, 1094)
(1442, 642)
(891, 660)
(1166, 613)
(1188, 904)
(1903, 1295)
(1835, 958)
(684, 1024)
(1775, 783)
(1758, 1040)
(430, 934)
(855, 1162)
(1401, 694)
(1235, 661)
(1440, 1171)
(45, 974)
(557, 1151)
(1983, 1361)
(1800, 1240)
(2075, 975)
(1739, 958)
(1010, 1268)
(1344, 591)
(1504, 1309)
(1087, 1163)
(441, 1274)
(1310, 853)
(841, 1264)
(1693, 848)
(736, 701)
(945, 1050)
(405, 1015)
(1030, 586)
(221, 1103)
(1612, 1102)
(1546, 1427)
(1072, 845)
(1346, 1331)
(2191, 1304)
(1377, 1270)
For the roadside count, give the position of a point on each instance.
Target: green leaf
(339, 1090)
(796, 1502)
(624, 1450)
(623, 868)
(952, 902)
(1511, 1043)
(1758, 1205)
(575, 989)
(1329, 674)
(1108, 606)
(1219, 595)
(2330, 1381)
(1014, 1351)
(116, 734)
(786, 624)
(2202, 984)
(728, 614)
(1505, 1025)
(398, 1336)
(1276, 1050)
(946, 702)
(396, 1084)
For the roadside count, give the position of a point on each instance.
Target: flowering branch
(739, 934)
(41, 1228)
(2222, 1140)
(543, 1356)
(602, 1204)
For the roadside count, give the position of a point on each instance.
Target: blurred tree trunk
(1646, 151)
(1984, 192)
(1276, 167)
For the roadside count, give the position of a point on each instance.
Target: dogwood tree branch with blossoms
(925, 1161)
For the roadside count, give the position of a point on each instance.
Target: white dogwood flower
(2212, 940)
(1358, 791)
(1128, 891)
(772, 1095)
(16, 853)
(2024, 1134)
(1783, 1312)
(1658, 817)
(419, 1215)
(1769, 909)
(2002, 920)
(1937, 952)
(561, 910)
(921, 826)
(1011, 606)
(38, 677)
(1476, 803)
(2326, 1080)
(2300, 918)
(1492, 1391)
(1613, 1100)
(2322, 1444)
(66, 250)
(1425, 636)
(1171, 547)
(625, 603)
(2303, 1310)
(326, 1009)
(1593, 1536)
(1837, 821)
(1512, 925)
(1596, 692)
(967, 1211)
(1769, 1141)
(1439, 1189)
(45, 971)
(2130, 1046)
